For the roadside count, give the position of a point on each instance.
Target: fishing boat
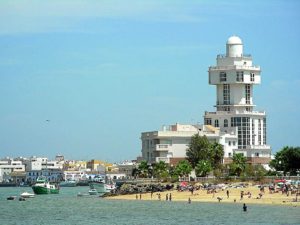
(98, 183)
(42, 186)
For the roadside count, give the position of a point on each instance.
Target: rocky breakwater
(129, 188)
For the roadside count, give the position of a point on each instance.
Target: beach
(234, 196)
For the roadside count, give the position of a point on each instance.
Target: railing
(162, 147)
(164, 159)
(233, 67)
(243, 56)
(235, 112)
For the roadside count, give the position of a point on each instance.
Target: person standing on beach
(170, 197)
(227, 192)
(140, 196)
(167, 197)
(242, 195)
(189, 201)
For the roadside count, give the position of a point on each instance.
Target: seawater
(67, 208)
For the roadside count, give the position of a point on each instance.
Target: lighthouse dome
(234, 40)
(234, 47)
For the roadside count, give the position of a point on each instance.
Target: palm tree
(183, 168)
(203, 167)
(144, 168)
(238, 164)
(160, 169)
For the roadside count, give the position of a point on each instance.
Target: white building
(8, 166)
(40, 163)
(234, 77)
(234, 125)
(170, 143)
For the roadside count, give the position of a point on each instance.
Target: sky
(85, 78)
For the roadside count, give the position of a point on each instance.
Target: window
(264, 131)
(226, 94)
(256, 154)
(252, 77)
(259, 131)
(229, 143)
(240, 76)
(253, 132)
(216, 123)
(229, 154)
(233, 143)
(223, 77)
(225, 123)
(207, 121)
(247, 93)
(243, 125)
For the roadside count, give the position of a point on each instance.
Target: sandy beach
(234, 196)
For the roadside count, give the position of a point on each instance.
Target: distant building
(59, 158)
(235, 124)
(96, 165)
(7, 167)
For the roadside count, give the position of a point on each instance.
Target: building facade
(234, 77)
(234, 124)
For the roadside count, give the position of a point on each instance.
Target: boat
(42, 186)
(11, 197)
(98, 183)
(93, 192)
(27, 195)
(79, 194)
(68, 183)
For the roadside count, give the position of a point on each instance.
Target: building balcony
(258, 147)
(234, 67)
(258, 113)
(162, 147)
(245, 56)
(164, 159)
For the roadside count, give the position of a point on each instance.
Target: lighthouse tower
(234, 77)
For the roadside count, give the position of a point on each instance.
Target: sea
(67, 208)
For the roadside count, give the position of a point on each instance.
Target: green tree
(199, 149)
(238, 164)
(203, 167)
(160, 169)
(216, 155)
(183, 168)
(143, 169)
(287, 160)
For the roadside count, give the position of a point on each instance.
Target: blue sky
(103, 72)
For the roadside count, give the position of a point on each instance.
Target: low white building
(170, 143)
(42, 163)
(8, 166)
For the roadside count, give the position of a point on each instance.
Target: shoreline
(218, 197)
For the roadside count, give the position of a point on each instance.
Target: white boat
(79, 194)
(98, 183)
(68, 183)
(93, 192)
(27, 195)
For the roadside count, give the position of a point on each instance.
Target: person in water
(244, 207)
